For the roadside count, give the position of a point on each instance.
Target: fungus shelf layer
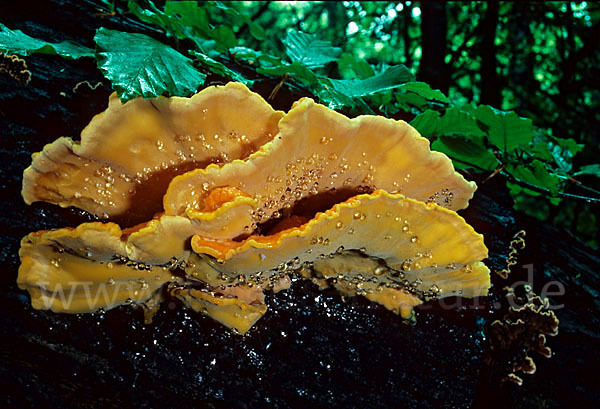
(83, 270)
(318, 151)
(129, 153)
(367, 243)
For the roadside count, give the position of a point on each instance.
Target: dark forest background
(540, 59)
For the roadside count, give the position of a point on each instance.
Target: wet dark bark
(311, 349)
(434, 24)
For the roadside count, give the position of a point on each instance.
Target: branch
(538, 189)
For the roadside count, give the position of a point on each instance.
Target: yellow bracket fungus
(361, 204)
(367, 243)
(237, 313)
(83, 270)
(129, 153)
(317, 151)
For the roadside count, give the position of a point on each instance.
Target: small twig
(547, 192)
(498, 170)
(111, 14)
(535, 188)
(284, 78)
(579, 184)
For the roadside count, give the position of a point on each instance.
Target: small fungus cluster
(228, 198)
(15, 67)
(521, 331)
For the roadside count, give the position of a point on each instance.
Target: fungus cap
(319, 150)
(234, 312)
(129, 153)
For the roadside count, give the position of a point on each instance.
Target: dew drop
(379, 270)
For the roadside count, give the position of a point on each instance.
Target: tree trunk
(404, 22)
(433, 68)
(490, 86)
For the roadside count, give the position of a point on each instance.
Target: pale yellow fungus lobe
(129, 153)
(444, 237)
(319, 151)
(83, 270)
(234, 312)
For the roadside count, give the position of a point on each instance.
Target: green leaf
(535, 174)
(540, 150)
(296, 70)
(156, 17)
(185, 20)
(529, 201)
(515, 190)
(17, 42)
(472, 151)
(506, 130)
(188, 14)
(255, 30)
(392, 77)
(307, 50)
(336, 100)
(563, 151)
(425, 91)
(408, 100)
(225, 36)
(252, 56)
(221, 69)
(570, 145)
(140, 65)
(589, 170)
(454, 122)
(358, 67)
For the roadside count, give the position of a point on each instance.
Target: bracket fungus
(319, 151)
(129, 153)
(256, 196)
